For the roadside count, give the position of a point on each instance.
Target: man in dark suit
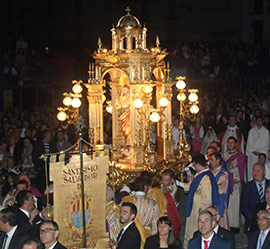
(129, 236)
(44, 146)
(12, 238)
(28, 216)
(261, 238)
(49, 233)
(255, 189)
(260, 206)
(223, 233)
(208, 239)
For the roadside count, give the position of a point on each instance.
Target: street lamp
(70, 115)
(188, 109)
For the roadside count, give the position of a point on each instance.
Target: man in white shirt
(223, 233)
(129, 236)
(208, 239)
(12, 238)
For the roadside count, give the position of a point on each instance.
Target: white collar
(108, 203)
(127, 226)
(11, 232)
(53, 245)
(209, 239)
(216, 228)
(25, 212)
(140, 193)
(203, 170)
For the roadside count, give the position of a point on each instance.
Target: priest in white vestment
(257, 142)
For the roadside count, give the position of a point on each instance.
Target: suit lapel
(266, 243)
(199, 242)
(213, 242)
(13, 239)
(256, 191)
(2, 239)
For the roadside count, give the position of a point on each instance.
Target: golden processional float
(140, 101)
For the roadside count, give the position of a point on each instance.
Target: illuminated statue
(123, 104)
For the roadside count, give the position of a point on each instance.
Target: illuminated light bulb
(194, 109)
(76, 102)
(77, 88)
(67, 101)
(193, 97)
(61, 116)
(154, 117)
(163, 102)
(147, 89)
(104, 50)
(103, 98)
(181, 97)
(180, 84)
(109, 109)
(137, 103)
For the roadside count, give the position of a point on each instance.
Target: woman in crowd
(164, 238)
(209, 137)
(197, 133)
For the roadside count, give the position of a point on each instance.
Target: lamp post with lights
(188, 109)
(70, 115)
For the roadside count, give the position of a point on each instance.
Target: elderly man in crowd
(253, 193)
(261, 239)
(49, 233)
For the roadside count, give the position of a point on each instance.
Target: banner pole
(82, 191)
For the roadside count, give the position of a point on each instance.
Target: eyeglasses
(46, 230)
(262, 218)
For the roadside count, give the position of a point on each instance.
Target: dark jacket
(153, 243)
(216, 242)
(16, 241)
(223, 233)
(26, 227)
(254, 224)
(247, 203)
(253, 239)
(131, 239)
(59, 246)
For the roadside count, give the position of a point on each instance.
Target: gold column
(94, 96)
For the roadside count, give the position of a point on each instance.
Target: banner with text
(68, 203)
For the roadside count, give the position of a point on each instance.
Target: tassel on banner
(53, 159)
(62, 157)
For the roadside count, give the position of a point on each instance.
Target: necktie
(5, 241)
(120, 235)
(261, 240)
(205, 244)
(261, 192)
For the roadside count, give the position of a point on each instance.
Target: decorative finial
(128, 11)
(157, 41)
(99, 42)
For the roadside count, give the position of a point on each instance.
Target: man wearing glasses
(261, 239)
(222, 232)
(49, 233)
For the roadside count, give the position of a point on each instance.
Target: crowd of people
(221, 59)
(229, 144)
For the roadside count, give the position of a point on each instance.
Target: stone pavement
(241, 238)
